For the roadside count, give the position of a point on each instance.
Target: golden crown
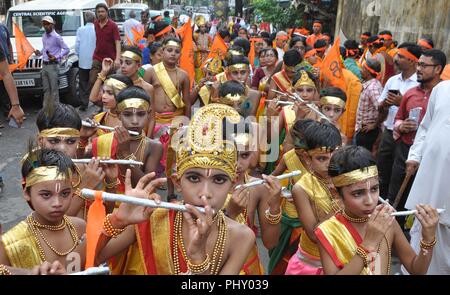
(214, 65)
(304, 80)
(232, 99)
(204, 146)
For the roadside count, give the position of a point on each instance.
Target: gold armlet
(361, 252)
(101, 77)
(273, 219)
(109, 230)
(427, 246)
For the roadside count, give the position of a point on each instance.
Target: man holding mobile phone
(410, 113)
(406, 62)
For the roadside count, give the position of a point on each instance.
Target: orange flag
(187, 50)
(94, 227)
(23, 48)
(331, 69)
(138, 37)
(218, 48)
(252, 53)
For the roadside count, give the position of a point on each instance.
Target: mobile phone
(394, 91)
(414, 114)
(13, 123)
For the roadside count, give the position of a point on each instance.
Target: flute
(88, 193)
(312, 106)
(261, 181)
(383, 201)
(92, 271)
(288, 103)
(411, 212)
(87, 124)
(109, 161)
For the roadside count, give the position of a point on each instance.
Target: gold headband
(172, 43)
(115, 84)
(45, 173)
(238, 67)
(204, 146)
(304, 80)
(289, 68)
(355, 176)
(320, 150)
(333, 100)
(60, 132)
(132, 55)
(232, 99)
(136, 103)
(235, 52)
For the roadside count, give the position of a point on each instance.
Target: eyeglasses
(424, 65)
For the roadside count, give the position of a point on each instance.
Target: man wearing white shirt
(391, 97)
(84, 48)
(430, 154)
(130, 23)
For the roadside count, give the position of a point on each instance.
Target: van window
(121, 15)
(66, 22)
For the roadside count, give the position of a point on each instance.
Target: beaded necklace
(353, 219)
(219, 246)
(34, 226)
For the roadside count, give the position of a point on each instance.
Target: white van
(119, 13)
(68, 16)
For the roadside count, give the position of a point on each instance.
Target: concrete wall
(406, 19)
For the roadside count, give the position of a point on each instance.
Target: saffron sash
(289, 117)
(168, 86)
(340, 239)
(282, 81)
(98, 118)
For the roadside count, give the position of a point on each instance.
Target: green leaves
(281, 18)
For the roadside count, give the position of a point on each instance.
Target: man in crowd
(406, 62)
(107, 41)
(430, 151)
(53, 50)
(410, 114)
(84, 48)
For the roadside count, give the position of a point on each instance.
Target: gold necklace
(59, 227)
(36, 233)
(219, 246)
(353, 219)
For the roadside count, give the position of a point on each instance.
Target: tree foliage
(270, 11)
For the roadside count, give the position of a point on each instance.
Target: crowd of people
(257, 107)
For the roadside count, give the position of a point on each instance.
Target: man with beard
(410, 114)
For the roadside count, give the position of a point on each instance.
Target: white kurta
(431, 149)
(432, 184)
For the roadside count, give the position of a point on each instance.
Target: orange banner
(187, 50)
(218, 48)
(23, 48)
(331, 69)
(94, 227)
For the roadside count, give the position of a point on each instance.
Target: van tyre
(72, 96)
